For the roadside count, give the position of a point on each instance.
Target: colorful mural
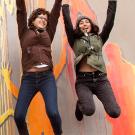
(121, 74)
(6, 103)
(122, 77)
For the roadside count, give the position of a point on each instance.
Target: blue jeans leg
(26, 93)
(48, 89)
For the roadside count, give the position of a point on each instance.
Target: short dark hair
(35, 14)
(78, 33)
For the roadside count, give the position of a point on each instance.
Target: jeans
(96, 83)
(32, 83)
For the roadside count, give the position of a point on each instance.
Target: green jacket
(91, 47)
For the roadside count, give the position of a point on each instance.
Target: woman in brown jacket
(35, 41)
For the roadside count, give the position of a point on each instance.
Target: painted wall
(119, 56)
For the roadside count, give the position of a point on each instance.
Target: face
(85, 25)
(40, 21)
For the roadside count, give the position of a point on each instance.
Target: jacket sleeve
(109, 20)
(68, 24)
(53, 18)
(21, 17)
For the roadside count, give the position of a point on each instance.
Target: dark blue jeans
(30, 85)
(96, 83)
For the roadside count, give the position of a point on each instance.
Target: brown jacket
(36, 48)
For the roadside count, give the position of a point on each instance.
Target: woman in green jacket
(91, 77)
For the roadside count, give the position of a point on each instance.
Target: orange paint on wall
(62, 60)
(122, 77)
(38, 121)
(41, 3)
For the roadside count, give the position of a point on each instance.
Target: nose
(85, 24)
(44, 22)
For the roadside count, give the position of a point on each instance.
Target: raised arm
(68, 24)
(21, 17)
(53, 18)
(109, 20)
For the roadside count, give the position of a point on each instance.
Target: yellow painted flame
(9, 112)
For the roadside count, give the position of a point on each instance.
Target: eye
(87, 21)
(39, 13)
(43, 18)
(81, 22)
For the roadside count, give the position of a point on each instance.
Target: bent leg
(105, 94)
(85, 99)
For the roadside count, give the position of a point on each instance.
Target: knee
(88, 110)
(114, 113)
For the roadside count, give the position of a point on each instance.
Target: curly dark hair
(78, 33)
(35, 14)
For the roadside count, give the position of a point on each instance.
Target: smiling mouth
(85, 30)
